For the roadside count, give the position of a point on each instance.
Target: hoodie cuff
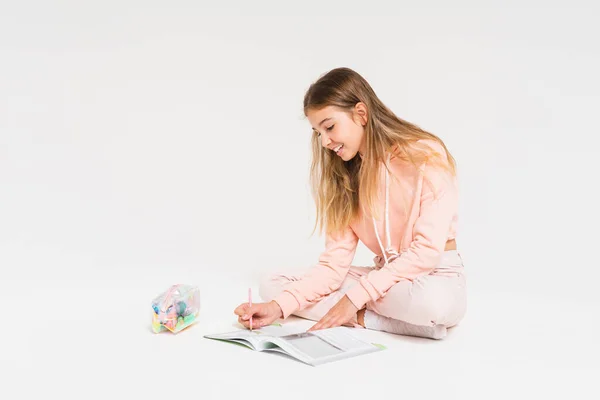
(358, 295)
(288, 303)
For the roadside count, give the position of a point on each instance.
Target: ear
(361, 112)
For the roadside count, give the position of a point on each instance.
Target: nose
(325, 141)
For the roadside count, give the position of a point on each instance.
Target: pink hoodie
(423, 217)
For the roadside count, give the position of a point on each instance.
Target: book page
(324, 345)
(256, 337)
(237, 336)
(342, 339)
(277, 330)
(312, 348)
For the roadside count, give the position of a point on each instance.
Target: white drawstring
(379, 241)
(387, 221)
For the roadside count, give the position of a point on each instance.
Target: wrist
(276, 308)
(349, 302)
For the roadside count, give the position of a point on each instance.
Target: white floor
(89, 337)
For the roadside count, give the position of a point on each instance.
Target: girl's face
(341, 133)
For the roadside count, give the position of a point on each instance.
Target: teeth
(338, 148)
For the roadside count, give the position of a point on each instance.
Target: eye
(330, 128)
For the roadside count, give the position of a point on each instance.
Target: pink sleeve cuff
(288, 303)
(358, 295)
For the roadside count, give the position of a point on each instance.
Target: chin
(347, 156)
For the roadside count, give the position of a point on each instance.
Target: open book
(313, 348)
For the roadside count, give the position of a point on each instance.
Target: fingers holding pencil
(262, 314)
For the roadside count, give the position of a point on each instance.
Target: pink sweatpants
(435, 299)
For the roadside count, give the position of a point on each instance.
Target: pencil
(250, 304)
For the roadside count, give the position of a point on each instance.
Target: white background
(149, 143)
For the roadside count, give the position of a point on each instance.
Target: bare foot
(360, 316)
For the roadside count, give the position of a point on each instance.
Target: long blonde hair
(335, 183)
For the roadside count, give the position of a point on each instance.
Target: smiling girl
(388, 183)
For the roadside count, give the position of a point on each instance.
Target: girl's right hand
(263, 314)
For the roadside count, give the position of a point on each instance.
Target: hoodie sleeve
(323, 278)
(438, 203)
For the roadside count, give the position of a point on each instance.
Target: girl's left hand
(341, 313)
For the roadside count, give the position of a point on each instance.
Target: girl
(386, 182)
